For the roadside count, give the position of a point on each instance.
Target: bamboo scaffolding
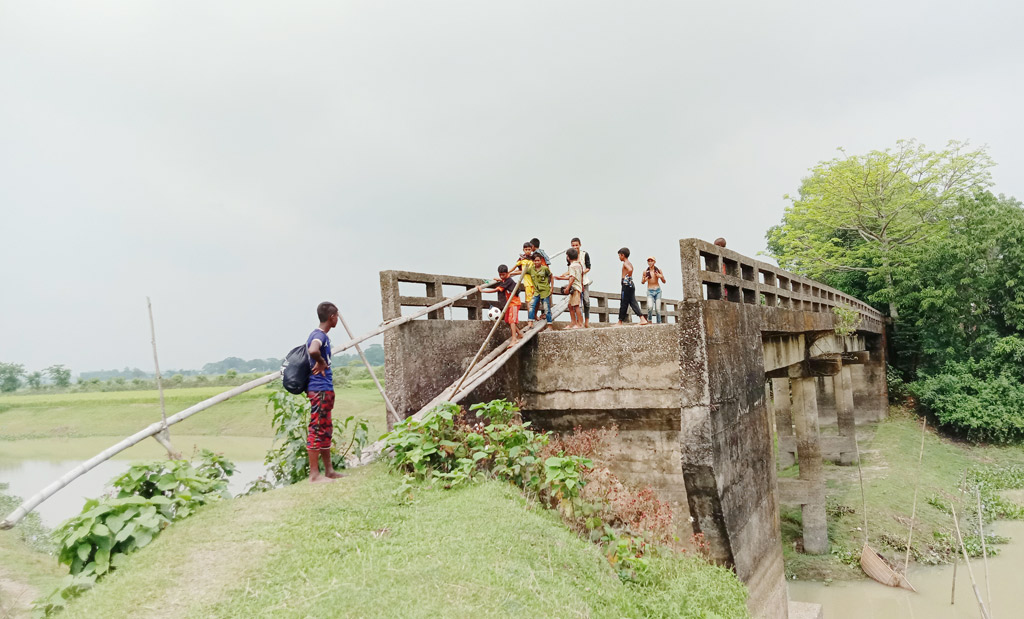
(387, 402)
(154, 429)
(138, 437)
(967, 560)
(450, 395)
(164, 435)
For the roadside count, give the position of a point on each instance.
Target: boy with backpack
(320, 392)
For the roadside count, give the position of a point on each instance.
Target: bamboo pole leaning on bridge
(154, 429)
(138, 437)
(387, 402)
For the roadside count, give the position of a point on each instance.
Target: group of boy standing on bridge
(538, 285)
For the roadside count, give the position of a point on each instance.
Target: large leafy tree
(865, 215)
(59, 374)
(964, 294)
(10, 376)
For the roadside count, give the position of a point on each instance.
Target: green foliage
(866, 213)
(976, 400)
(10, 376)
(847, 320)
(288, 459)
(626, 555)
(895, 385)
(147, 498)
(34, 380)
(59, 374)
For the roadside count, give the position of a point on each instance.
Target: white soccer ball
(493, 313)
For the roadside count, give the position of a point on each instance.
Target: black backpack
(295, 370)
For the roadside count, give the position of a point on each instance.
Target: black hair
(502, 268)
(537, 256)
(535, 242)
(572, 253)
(624, 251)
(575, 239)
(325, 310)
(528, 244)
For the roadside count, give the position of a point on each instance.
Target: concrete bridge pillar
(812, 473)
(845, 417)
(783, 407)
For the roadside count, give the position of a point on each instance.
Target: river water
(866, 598)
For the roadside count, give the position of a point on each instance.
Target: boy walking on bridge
(628, 298)
(321, 395)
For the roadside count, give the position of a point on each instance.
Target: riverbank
(889, 452)
(355, 548)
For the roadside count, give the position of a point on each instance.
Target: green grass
(25, 569)
(351, 549)
(122, 413)
(890, 469)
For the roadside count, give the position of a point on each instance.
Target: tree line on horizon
(13, 376)
(920, 235)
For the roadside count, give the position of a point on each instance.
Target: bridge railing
(407, 289)
(711, 272)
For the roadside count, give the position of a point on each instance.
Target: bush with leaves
(288, 460)
(453, 448)
(142, 503)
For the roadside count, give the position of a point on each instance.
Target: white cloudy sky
(240, 162)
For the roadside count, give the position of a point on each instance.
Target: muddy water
(29, 465)
(846, 600)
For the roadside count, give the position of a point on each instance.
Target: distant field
(119, 414)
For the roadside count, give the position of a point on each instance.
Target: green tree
(59, 374)
(867, 213)
(10, 376)
(34, 380)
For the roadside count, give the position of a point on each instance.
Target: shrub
(143, 501)
(978, 405)
(288, 460)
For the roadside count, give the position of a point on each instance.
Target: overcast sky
(240, 162)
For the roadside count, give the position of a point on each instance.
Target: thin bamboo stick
(164, 435)
(952, 594)
(387, 402)
(967, 560)
(396, 322)
(984, 549)
(917, 484)
(27, 506)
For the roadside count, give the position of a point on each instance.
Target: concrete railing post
(812, 471)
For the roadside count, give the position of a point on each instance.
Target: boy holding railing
(505, 287)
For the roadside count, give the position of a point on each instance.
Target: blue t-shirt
(325, 381)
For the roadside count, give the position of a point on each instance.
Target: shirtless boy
(628, 298)
(653, 277)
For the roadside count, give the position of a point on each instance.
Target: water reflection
(866, 598)
(26, 477)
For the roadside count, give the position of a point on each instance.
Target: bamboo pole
(485, 372)
(387, 403)
(917, 484)
(396, 322)
(497, 322)
(952, 595)
(967, 560)
(164, 435)
(984, 550)
(30, 504)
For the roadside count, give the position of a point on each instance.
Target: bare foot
(334, 474)
(320, 479)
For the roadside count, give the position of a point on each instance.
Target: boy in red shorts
(504, 287)
(321, 395)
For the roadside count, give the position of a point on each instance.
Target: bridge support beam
(809, 490)
(783, 409)
(842, 387)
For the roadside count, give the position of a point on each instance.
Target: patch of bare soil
(15, 597)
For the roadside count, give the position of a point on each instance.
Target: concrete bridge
(750, 351)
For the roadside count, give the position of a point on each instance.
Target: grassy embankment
(352, 548)
(889, 454)
(75, 426)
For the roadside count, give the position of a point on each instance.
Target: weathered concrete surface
(425, 356)
(627, 377)
(728, 460)
(805, 610)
